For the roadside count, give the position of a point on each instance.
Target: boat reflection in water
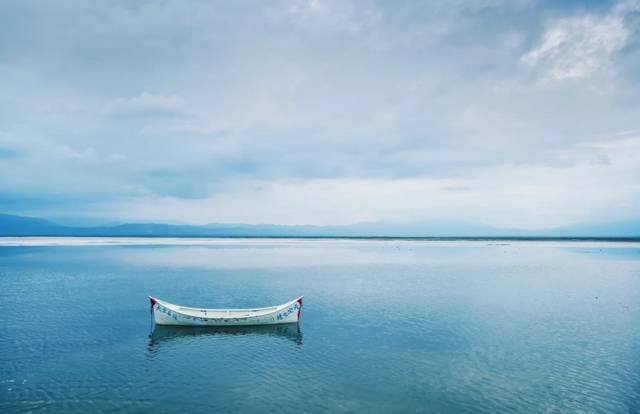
(162, 333)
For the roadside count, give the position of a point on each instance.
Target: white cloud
(524, 196)
(81, 154)
(322, 112)
(317, 15)
(147, 104)
(581, 46)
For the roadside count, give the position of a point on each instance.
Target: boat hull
(165, 313)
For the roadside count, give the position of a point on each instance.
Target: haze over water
(387, 326)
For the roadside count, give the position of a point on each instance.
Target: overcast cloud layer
(506, 113)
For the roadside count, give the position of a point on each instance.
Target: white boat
(165, 313)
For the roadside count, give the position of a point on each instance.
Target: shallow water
(387, 326)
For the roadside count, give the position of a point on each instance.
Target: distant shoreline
(21, 226)
(294, 237)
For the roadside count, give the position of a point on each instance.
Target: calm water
(387, 326)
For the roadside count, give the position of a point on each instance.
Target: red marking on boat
(153, 301)
(299, 308)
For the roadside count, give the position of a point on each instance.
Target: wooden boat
(165, 313)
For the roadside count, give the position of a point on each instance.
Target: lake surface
(387, 326)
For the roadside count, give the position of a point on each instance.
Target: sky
(504, 113)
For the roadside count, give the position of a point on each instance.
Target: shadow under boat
(164, 333)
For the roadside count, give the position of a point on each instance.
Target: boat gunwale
(255, 312)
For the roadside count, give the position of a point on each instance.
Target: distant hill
(630, 229)
(18, 225)
(12, 225)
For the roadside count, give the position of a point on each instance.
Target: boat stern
(299, 302)
(289, 313)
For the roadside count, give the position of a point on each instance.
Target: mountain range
(13, 225)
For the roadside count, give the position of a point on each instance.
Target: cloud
(83, 154)
(9, 153)
(526, 196)
(147, 105)
(318, 112)
(581, 46)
